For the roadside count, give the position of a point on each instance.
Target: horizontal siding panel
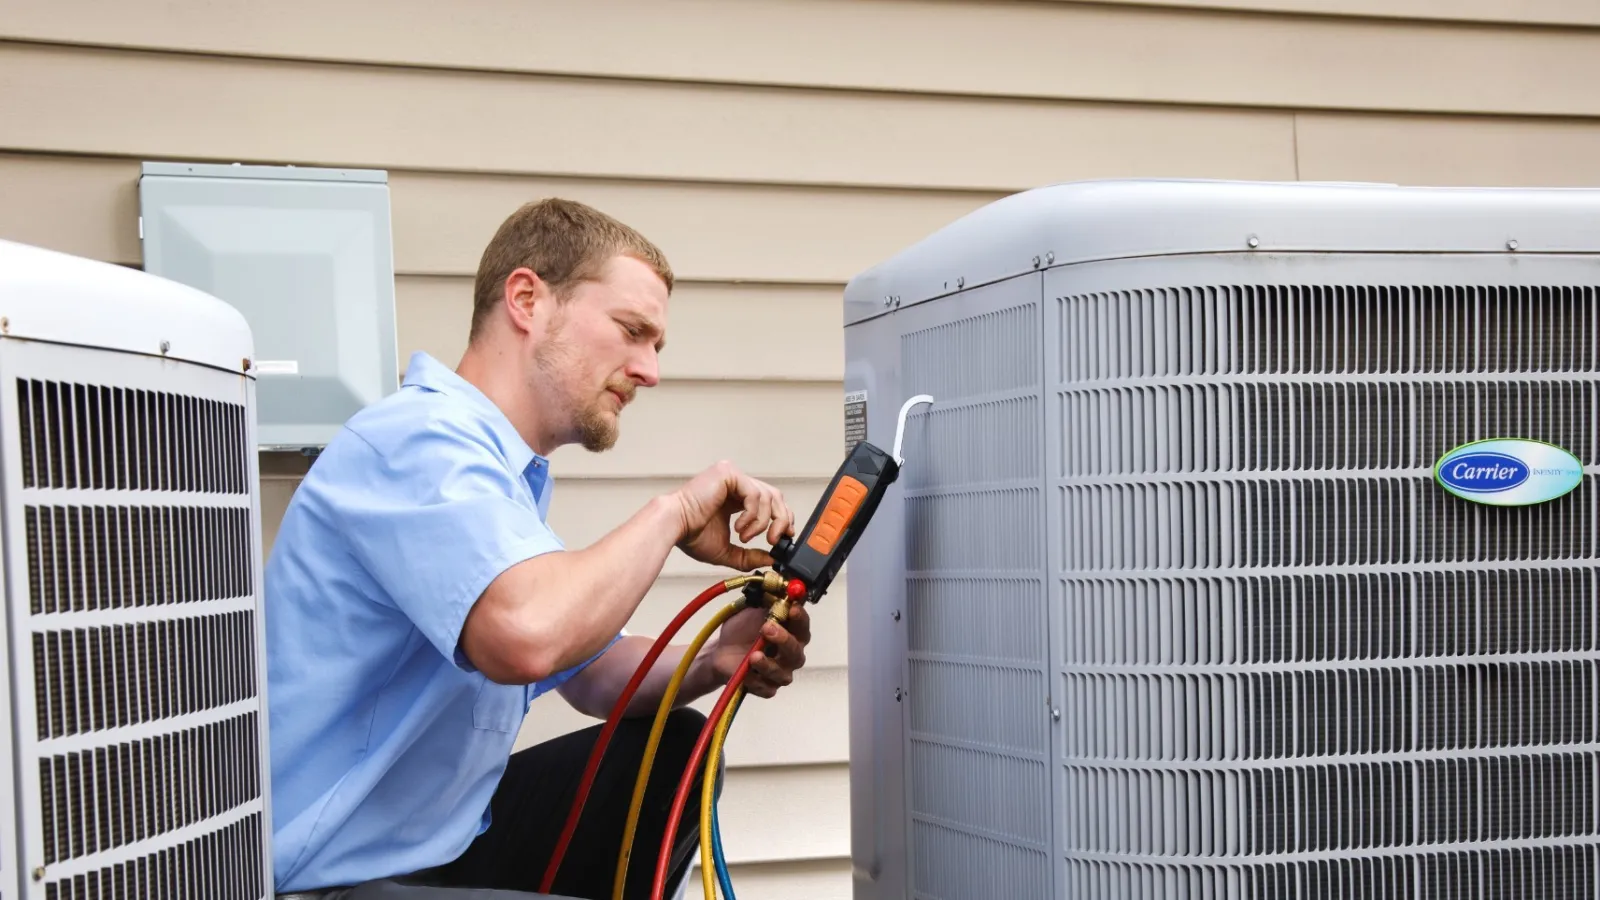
(441, 222)
(1014, 49)
(1449, 151)
(89, 207)
(823, 879)
(713, 330)
(143, 104)
(815, 817)
(1512, 12)
(765, 732)
(710, 232)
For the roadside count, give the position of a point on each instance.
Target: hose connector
(761, 589)
(771, 582)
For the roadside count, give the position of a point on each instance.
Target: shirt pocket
(499, 707)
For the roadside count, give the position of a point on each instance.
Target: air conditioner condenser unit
(135, 707)
(1248, 549)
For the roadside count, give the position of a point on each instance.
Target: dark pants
(530, 808)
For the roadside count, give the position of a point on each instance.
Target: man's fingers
(782, 519)
(763, 513)
(746, 559)
(799, 623)
(770, 670)
(759, 687)
(787, 651)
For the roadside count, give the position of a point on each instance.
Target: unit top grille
(94, 437)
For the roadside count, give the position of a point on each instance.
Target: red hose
(670, 835)
(613, 720)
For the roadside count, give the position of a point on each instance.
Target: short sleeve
(435, 517)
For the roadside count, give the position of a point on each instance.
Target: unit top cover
(50, 296)
(1088, 221)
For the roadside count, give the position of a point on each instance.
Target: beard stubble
(597, 429)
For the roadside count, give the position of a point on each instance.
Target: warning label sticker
(855, 420)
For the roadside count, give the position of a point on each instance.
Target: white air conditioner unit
(1196, 584)
(131, 547)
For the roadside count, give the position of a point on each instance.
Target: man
(417, 602)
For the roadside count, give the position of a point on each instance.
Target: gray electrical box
(306, 255)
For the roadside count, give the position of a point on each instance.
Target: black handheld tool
(815, 556)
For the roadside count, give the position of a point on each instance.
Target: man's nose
(645, 369)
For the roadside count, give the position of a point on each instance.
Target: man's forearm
(595, 690)
(559, 609)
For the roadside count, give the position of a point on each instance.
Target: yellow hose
(626, 851)
(708, 797)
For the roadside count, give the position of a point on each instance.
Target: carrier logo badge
(1508, 472)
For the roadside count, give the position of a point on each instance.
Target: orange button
(837, 514)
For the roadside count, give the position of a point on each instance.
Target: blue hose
(716, 855)
(716, 829)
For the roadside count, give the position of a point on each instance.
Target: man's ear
(527, 299)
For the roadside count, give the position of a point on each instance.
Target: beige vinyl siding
(1053, 50)
(1520, 12)
(774, 148)
(428, 119)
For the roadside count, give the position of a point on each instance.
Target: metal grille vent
(1293, 667)
(111, 796)
(978, 747)
(141, 765)
(110, 557)
(92, 679)
(94, 437)
(223, 865)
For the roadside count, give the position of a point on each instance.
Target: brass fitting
(779, 611)
(739, 581)
(772, 583)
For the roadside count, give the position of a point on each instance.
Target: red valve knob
(796, 589)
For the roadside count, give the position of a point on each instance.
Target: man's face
(600, 347)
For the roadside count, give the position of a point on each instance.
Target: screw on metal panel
(1050, 257)
(5, 326)
(165, 346)
(961, 281)
(1511, 245)
(895, 615)
(887, 301)
(897, 302)
(246, 364)
(1055, 713)
(1036, 262)
(1253, 242)
(38, 874)
(898, 694)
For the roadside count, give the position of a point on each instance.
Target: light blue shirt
(387, 744)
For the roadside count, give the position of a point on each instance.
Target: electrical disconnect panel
(306, 255)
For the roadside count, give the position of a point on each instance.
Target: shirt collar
(427, 373)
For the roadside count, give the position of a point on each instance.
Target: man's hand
(766, 676)
(711, 498)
